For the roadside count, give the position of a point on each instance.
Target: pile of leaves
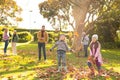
(75, 74)
(48, 73)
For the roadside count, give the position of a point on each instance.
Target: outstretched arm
(53, 47)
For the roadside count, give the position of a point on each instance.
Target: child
(14, 40)
(62, 47)
(95, 55)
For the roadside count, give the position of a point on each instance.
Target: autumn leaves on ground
(25, 66)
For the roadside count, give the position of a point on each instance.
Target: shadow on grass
(31, 66)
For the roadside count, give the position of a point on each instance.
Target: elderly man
(85, 42)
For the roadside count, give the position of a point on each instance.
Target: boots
(92, 71)
(65, 68)
(59, 69)
(100, 72)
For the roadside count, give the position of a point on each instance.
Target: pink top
(5, 36)
(97, 54)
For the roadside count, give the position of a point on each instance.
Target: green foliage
(51, 37)
(35, 36)
(24, 36)
(54, 36)
(107, 23)
(1, 33)
(109, 45)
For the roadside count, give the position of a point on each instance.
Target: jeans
(96, 63)
(61, 56)
(86, 50)
(5, 46)
(41, 46)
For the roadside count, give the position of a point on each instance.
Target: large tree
(9, 12)
(84, 12)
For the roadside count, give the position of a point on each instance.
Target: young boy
(62, 47)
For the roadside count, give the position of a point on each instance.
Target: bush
(35, 36)
(109, 45)
(118, 44)
(1, 33)
(50, 37)
(24, 36)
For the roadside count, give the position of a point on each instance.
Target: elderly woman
(95, 54)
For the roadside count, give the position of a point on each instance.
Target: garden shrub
(109, 45)
(35, 36)
(24, 36)
(118, 44)
(50, 37)
(1, 33)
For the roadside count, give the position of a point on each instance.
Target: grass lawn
(25, 66)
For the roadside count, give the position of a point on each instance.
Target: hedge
(50, 37)
(54, 36)
(1, 33)
(24, 36)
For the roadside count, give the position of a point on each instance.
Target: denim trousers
(86, 50)
(5, 46)
(61, 56)
(98, 64)
(41, 47)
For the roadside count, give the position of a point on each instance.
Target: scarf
(42, 33)
(95, 46)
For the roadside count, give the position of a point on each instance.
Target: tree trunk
(80, 8)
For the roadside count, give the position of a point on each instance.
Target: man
(85, 42)
(42, 40)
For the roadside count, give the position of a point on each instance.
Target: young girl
(95, 54)
(62, 47)
(14, 40)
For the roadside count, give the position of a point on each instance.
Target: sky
(31, 16)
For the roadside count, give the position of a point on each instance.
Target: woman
(14, 40)
(6, 40)
(95, 54)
